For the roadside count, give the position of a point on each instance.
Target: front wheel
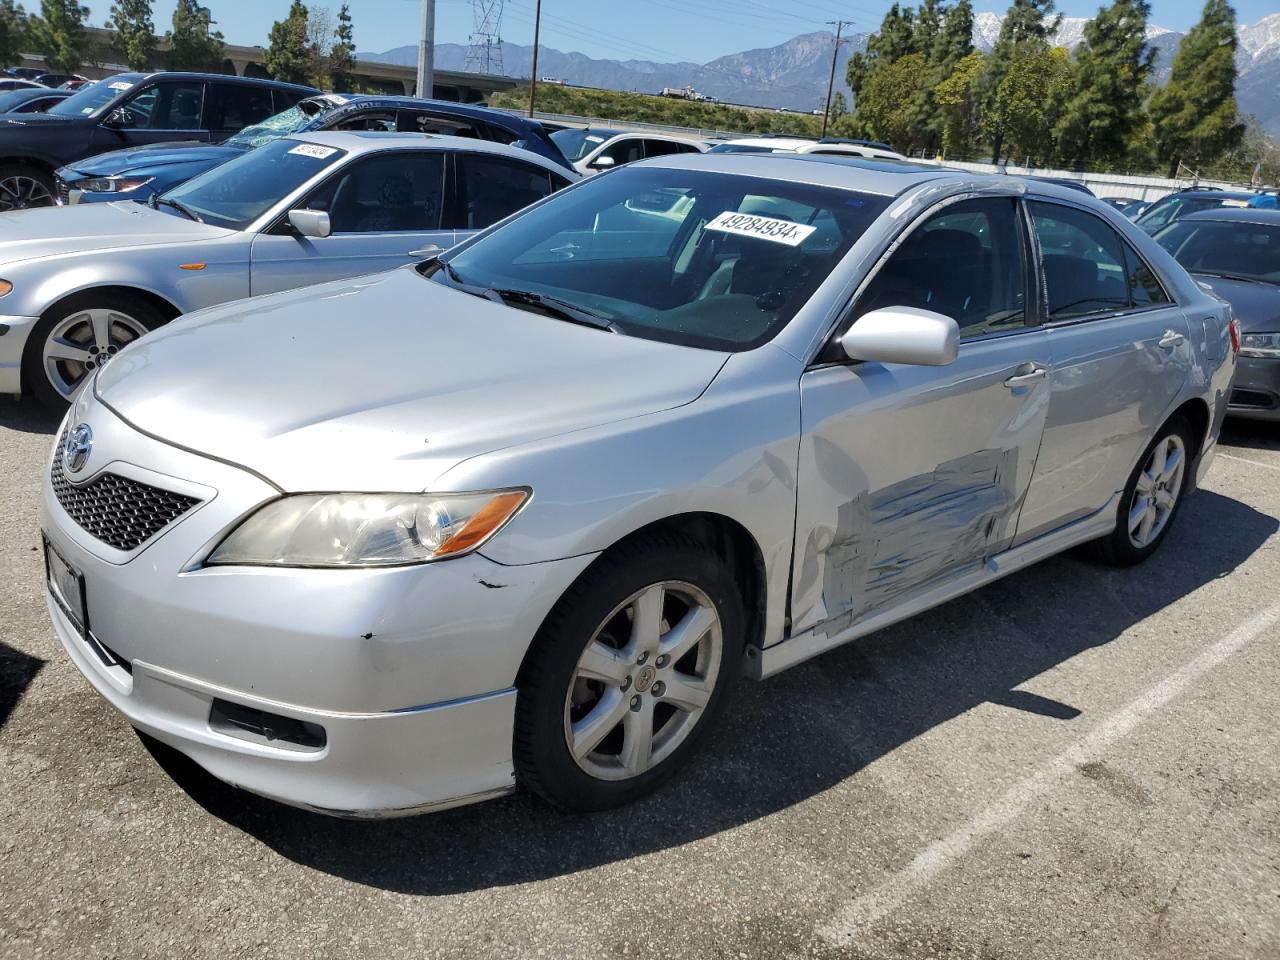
(1152, 497)
(23, 188)
(627, 674)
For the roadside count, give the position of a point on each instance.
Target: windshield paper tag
(314, 151)
(120, 85)
(765, 228)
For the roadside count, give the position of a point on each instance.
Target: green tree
(1194, 114)
(1025, 30)
(192, 45)
(896, 38)
(13, 32)
(954, 41)
(1104, 107)
(945, 37)
(1027, 102)
(59, 34)
(883, 110)
(342, 57)
(288, 55)
(135, 39)
(958, 97)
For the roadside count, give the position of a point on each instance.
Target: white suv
(838, 146)
(592, 150)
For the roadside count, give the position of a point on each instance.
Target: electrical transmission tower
(484, 53)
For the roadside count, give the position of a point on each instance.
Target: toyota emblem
(76, 448)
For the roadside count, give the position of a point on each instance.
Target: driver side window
(965, 262)
(392, 193)
(167, 106)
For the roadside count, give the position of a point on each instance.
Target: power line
(835, 53)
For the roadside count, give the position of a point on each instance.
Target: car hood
(1255, 305)
(53, 231)
(154, 155)
(385, 382)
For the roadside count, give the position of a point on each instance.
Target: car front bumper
(408, 672)
(13, 339)
(1255, 392)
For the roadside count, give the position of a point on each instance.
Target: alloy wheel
(1157, 491)
(21, 193)
(643, 681)
(84, 341)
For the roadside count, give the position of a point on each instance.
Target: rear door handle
(1171, 339)
(1027, 373)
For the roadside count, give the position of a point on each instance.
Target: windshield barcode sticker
(765, 228)
(120, 85)
(314, 151)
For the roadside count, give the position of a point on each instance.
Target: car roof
(349, 101)
(221, 77)
(1268, 215)
(367, 141)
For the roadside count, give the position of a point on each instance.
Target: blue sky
(697, 30)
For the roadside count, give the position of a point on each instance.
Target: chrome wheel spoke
(1147, 523)
(646, 619)
(681, 638)
(637, 738)
(1138, 512)
(1156, 491)
(599, 723)
(65, 350)
(100, 320)
(603, 663)
(686, 693)
(1172, 466)
(1164, 500)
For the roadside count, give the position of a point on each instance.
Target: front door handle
(1027, 373)
(1171, 339)
(430, 250)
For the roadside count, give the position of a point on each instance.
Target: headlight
(111, 184)
(1260, 345)
(368, 529)
(5, 287)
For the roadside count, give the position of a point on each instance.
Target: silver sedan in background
(77, 284)
(526, 511)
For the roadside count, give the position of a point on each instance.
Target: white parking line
(860, 913)
(1227, 456)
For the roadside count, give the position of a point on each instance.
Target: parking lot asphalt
(1075, 762)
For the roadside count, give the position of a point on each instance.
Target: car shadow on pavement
(27, 416)
(784, 740)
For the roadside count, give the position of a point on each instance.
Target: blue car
(139, 172)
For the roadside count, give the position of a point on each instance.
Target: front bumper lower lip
(393, 763)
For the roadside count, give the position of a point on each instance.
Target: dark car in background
(1236, 253)
(31, 99)
(137, 173)
(1176, 205)
(129, 109)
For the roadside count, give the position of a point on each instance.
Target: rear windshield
(1232, 249)
(685, 256)
(90, 100)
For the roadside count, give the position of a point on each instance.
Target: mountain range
(793, 74)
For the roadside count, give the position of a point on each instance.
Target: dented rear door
(910, 474)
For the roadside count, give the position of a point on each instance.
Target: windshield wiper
(1231, 276)
(177, 205)
(558, 308)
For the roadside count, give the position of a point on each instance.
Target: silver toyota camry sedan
(525, 512)
(79, 283)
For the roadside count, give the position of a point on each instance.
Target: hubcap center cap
(645, 678)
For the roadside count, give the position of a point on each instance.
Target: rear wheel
(627, 674)
(22, 188)
(79, 335)
(1151, 498)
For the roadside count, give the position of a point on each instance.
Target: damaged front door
(911, 474)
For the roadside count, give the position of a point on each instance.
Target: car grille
(120, 512)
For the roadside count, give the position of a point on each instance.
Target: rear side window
(965, 262)
(625, 150)
(661, 148)
(491, 188)
(1084, 262)
(377, 121)
(233, 107)
(1144, 289)
(410, 121)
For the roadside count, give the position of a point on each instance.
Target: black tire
(1118, 549)
(15, 173)
(543, 759)
(34, 375)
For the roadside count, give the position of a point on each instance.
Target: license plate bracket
(66, 586)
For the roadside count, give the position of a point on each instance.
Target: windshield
(576, 143)
(90, 100)
(689, 257)
(281, 124)
(236, 193)
(1248, 251)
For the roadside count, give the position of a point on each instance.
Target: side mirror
(603, 162)
(310, 223)
(903, 335)
(119, 117)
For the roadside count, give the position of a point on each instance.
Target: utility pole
(831, 81)
(427, 50)
(533, 79)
